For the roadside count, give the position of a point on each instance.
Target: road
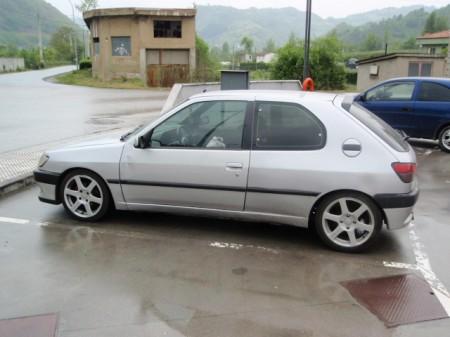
(148, 274)
(34, 111)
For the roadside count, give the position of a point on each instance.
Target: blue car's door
(432, 108)
(394, 103)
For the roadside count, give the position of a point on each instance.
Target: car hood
(95, 142)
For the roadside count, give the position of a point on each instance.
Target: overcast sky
(324, 8)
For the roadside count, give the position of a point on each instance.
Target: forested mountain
(19, 22)
(395, 30)
(219, 24)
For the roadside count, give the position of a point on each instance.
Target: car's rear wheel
(85, 195)
(444, 139)
(348, 222)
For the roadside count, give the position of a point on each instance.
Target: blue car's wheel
(444, 139)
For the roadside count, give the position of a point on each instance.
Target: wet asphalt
(34, 111)
(152, 274)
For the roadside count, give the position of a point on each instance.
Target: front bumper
(47, 182)
(398, 208)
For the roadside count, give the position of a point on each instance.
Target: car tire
(444, 139)
(85, 195)
(348, 222)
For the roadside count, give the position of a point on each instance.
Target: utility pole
(307, 39)
(75, 35)
(41, 52)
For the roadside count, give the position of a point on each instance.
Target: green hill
(219, 24)
(397, 29)
(19, 23)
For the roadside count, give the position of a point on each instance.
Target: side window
(434, 92)
(396, 91)
(212, 125)
(287, 126)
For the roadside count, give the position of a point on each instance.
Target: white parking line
(14, 220)
(424, 266)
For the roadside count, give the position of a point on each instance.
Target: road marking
(423, 265)
(14, 220)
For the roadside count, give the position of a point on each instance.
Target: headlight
(43, 160)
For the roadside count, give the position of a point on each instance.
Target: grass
(84, 78)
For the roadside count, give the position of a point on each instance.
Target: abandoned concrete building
(156, 45)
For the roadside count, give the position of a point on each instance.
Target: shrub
(85, 64)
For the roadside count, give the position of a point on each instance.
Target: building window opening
(167, 29)
(121, 46)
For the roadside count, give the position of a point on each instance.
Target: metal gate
(166, 67)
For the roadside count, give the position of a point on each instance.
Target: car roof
(269, 95)
(441, 80)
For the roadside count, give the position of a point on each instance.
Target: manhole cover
(36, 326)
(397, 300)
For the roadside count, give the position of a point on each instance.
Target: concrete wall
(181, 92)
(140, 29)
(395, 67)
(11, 64)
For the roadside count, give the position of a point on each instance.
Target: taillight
(405, 171)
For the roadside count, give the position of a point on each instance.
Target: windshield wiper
(129, 133)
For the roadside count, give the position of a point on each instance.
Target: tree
(226, 52)
(372, 42)
(270, 46)
(207, 65)
(409, 44)
(62, 42)
(247, 43)
(87, 5)
(327, 69)
(435, 23)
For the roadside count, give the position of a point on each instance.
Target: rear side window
(287, 126)
(378, 126)
(395, 91)
(434, 92)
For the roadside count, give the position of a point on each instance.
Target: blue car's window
(394, 91)
(434, 92)
(378, 126)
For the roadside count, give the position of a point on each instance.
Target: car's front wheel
(85, 195)
(348, 222)
(444, 139)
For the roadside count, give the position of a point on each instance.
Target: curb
(16, 184)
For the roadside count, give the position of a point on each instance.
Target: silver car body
(275, 186)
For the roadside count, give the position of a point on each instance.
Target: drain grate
(397, 300)
(36, 326)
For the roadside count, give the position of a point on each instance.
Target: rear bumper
(398, 208)
(403, 200)
(47, 182)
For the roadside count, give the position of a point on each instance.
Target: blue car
(419, 106)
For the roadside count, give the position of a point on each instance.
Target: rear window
(383, 130)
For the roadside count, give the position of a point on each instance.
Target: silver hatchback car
(304, 159)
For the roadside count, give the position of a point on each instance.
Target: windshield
(392, 137)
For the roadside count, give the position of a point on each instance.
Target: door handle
(234, 166)
(407, 109)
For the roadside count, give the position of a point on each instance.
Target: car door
(394, 103)
(287, 142)
(432, 108)
(197, 157)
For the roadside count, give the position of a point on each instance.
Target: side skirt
(218, 213)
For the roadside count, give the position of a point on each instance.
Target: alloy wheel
(83, 196)
(348, 222)
(445, 139)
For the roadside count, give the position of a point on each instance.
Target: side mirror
(140, 143)
(360, 98)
